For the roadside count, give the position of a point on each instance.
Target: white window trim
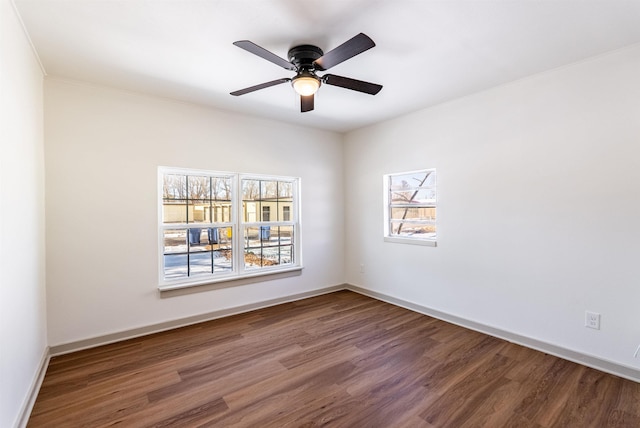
(428, 242)
(238, 226)
(387, 237)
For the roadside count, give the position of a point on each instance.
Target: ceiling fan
(306, 60)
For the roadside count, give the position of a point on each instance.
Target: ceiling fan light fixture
(305, 84)
(305, 60)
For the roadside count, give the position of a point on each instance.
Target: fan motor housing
(303, 56)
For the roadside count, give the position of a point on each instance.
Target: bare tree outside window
(174, 186)
(411, 207)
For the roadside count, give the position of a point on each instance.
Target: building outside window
(410, 207)
(209, 228)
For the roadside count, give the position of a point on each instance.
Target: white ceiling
(427, 51)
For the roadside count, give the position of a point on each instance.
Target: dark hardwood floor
(338, 360)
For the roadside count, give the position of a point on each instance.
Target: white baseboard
(594, 362)
(183, 322)
(34, 389)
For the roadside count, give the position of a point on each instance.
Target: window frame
(403, 239)
(260, 223)
(237, 224)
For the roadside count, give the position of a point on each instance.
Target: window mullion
(238, 237)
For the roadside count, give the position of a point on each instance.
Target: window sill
(411, 241)
(231, 280)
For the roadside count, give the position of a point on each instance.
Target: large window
(220, 226)
(410, 207)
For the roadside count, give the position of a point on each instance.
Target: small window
(410, 207)
(219, 226)
(266, 213)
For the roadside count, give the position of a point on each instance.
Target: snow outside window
(219, 226)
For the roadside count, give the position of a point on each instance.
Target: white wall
(22, 258)
(538, 207)
(102, 151)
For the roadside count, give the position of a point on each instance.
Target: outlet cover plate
(592, 320)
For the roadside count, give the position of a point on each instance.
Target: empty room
(294, 213)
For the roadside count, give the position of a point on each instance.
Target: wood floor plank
(314, 373)
(336, 360)
(466, 400)
(222, 382)
(549, 392)
(286, 405)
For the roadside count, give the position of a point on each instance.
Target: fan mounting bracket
(303, 56)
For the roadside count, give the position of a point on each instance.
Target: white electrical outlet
(592, 320)
(362, 268)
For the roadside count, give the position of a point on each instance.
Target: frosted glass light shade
(305, 85)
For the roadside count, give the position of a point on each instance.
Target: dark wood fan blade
(260, 86)
(353, 84)
(263, 53)
(348, 49)
(306, 103)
